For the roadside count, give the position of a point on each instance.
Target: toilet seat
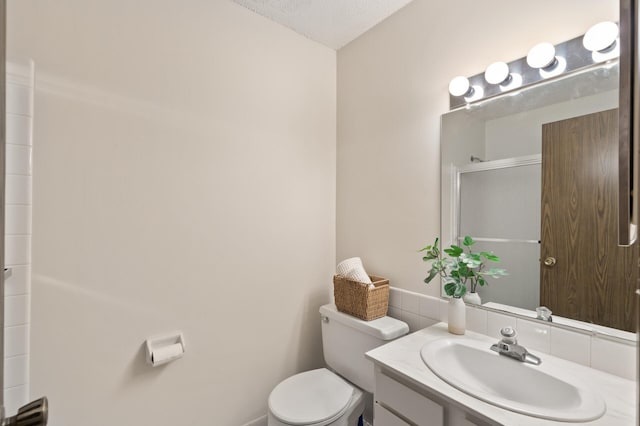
(314, 397)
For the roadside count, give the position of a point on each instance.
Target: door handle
(550, 261)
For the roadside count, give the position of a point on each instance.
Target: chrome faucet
(509, 346)
(543, 313)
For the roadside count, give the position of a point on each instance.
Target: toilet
(340, 394)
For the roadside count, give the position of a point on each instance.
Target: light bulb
(514, 81)
(475, 93)
(460, 86)
(497, 73)
(541, 55)
(559, 66)
(607, 54)
(601, 36)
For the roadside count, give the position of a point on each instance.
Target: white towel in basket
(353, 269)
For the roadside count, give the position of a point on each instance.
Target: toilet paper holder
(163, 349)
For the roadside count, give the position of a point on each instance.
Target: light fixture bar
(571, 54)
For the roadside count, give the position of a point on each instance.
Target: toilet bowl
(338, 395)
(315, 398)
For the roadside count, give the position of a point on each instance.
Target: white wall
(184, 179)
(392, 89)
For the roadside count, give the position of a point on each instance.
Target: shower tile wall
(18, 209)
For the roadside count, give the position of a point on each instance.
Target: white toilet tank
(345, 339)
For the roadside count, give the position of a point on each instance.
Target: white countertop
(402, 356)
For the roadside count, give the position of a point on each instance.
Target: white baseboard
(260, 421)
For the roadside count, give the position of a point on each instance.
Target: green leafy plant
(461, 268)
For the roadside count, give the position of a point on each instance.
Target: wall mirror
(532, 176)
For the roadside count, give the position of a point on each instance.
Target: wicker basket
(357, 299)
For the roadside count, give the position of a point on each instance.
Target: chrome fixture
(34, 413)
(544, 61)
(509, 346)
(543, 313)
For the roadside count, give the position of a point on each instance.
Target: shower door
(499, 207)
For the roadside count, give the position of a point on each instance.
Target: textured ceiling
(333, 23)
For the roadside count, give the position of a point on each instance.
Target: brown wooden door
(592, 279)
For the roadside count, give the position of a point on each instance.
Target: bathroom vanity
(409, 393)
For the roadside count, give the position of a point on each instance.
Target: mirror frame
(630, 19)
(627, 122)
(629, 130)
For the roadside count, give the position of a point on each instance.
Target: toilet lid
(310, 397)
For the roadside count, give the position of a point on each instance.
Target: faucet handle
(508, 335)
(508, 332)
(543, 313)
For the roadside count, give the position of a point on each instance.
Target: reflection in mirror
(498, 208)
(498, 187)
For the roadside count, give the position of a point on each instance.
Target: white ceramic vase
(472, 299)
(456, 316)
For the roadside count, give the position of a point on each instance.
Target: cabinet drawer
(384, 417)
(470, 421)
(415, 407)
(459, 417)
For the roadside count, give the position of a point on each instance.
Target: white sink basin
(541, 391)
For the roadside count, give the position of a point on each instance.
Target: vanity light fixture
(497, 73)
(602, 41)
(460, 86)
(557, 68)
(542, 56)
(607, 55)
(601, 37)
(475, 93)
(599, 46)
(513, 82)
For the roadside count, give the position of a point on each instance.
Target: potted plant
(462, 269)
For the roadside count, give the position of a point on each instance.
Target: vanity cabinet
(400, 404)
(382, 416)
